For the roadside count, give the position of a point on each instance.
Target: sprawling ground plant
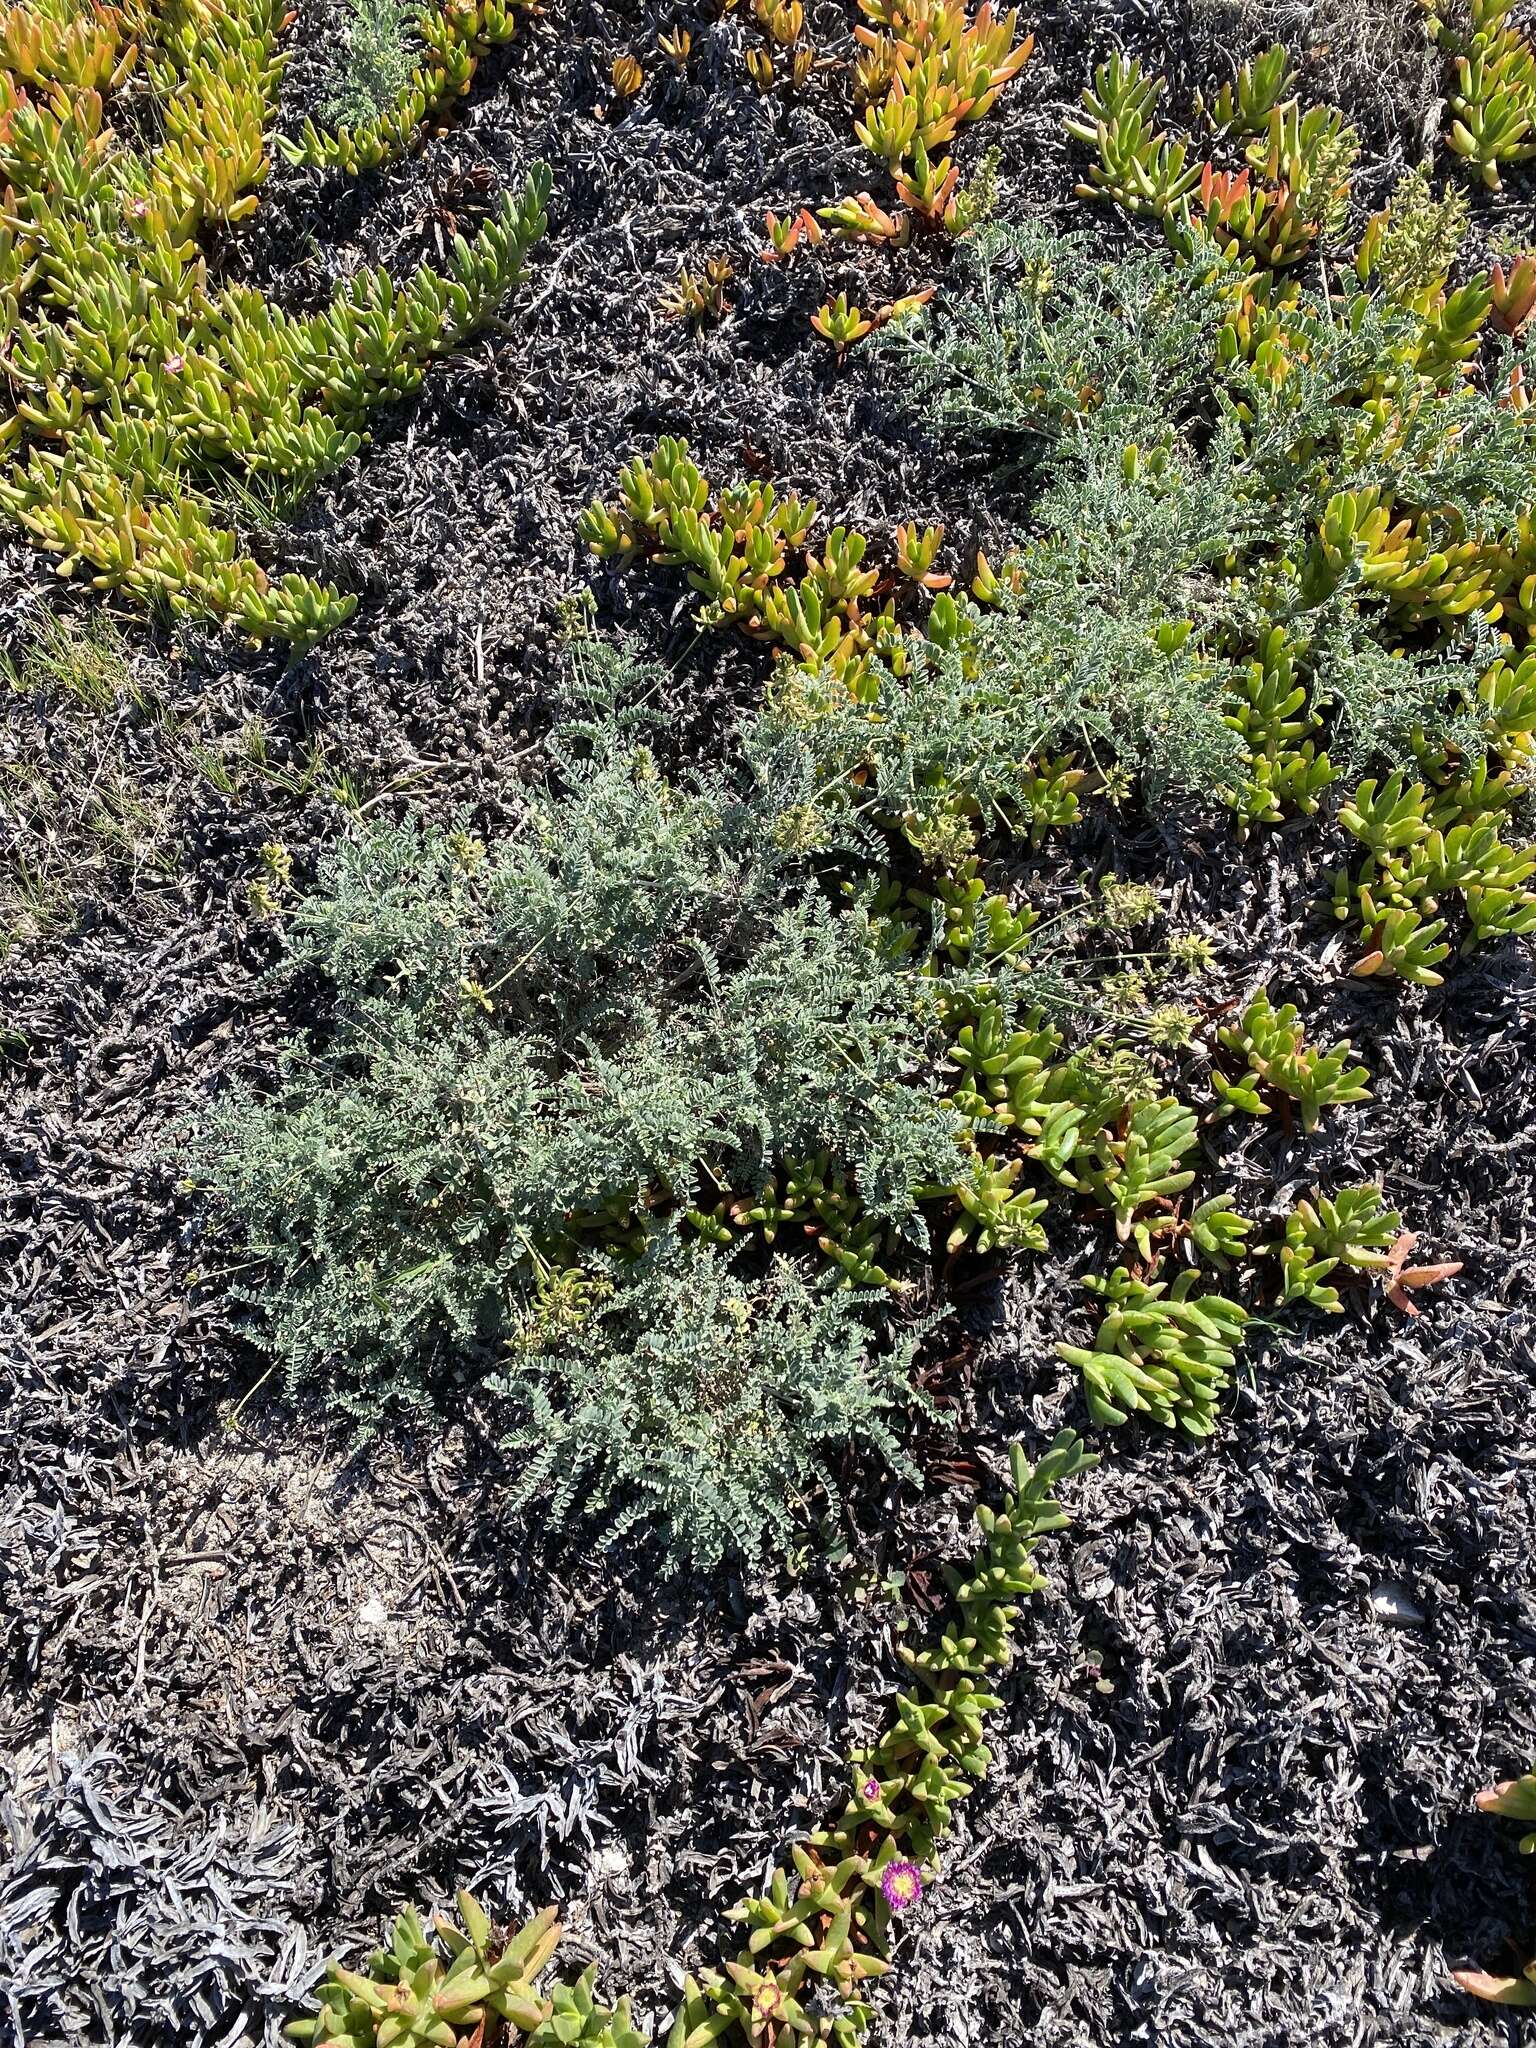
(652, 1112)
(134, 379)
(633, 1019)
(628, 1093)
(699, 1388)
(673, 1051)
(817, 1938)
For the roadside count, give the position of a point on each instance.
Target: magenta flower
(871, 1789)
(902, 1886)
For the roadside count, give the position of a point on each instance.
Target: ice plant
(928, 68)
(1491, 89)
(1514, 293)
(902, 1886)
(135, 377)
(841, 324)
(1278, 1060)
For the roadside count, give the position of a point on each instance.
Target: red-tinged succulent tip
(1497, 1990)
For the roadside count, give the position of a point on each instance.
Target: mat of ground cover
(259, 1688)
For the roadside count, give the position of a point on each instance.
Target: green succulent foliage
(137, 382)
(1387, 817)
(1218, 1232)
(1003, 1071)
(1138, 1170)
(1353, 1228)
(1490, 87)
(1277, 1060)
(1299, 161)
(978, 926)
(996, 1213)
(577, 2019)
(1137, 165)
(1442, 836)
(1161, 1350)
(933, 1754)
(1287, 770)
(1243, 107)
(810, 1200)
(1086, 1123)
(440, 1988)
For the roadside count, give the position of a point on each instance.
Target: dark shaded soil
(258, 1687)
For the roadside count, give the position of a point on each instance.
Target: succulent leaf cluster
(1161, 1350)
(1168, 1340)
(1354, 1229)
(927, 68)
(134, 378)
(463, 1980)
(1286, 765)
(812, 1201)
(1442, 840)
(1137, 164)
(747, 552)
(1066, 1120)
(1278, 1060)
(833, 1923)
(1289, 193)
(1491, 88)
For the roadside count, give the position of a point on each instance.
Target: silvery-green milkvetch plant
(824, 1931)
